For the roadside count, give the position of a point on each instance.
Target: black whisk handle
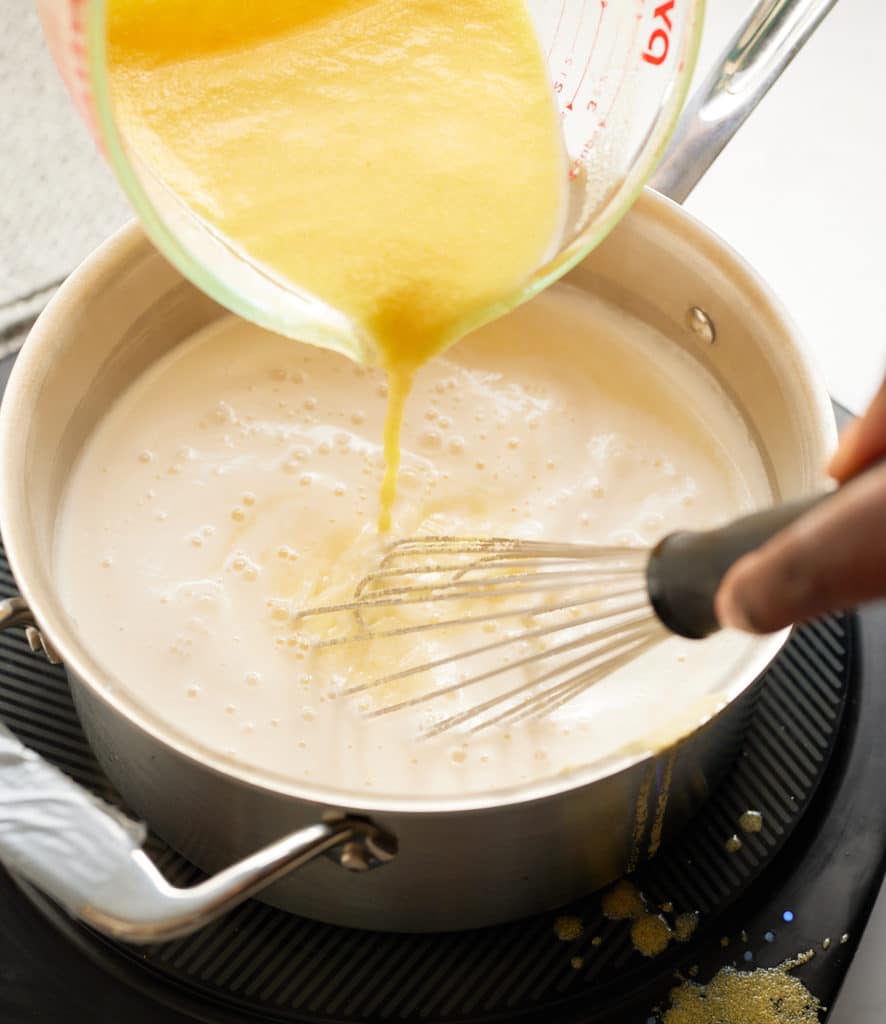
(685, 569)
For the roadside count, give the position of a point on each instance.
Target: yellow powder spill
(577, 963)
(661, 805)
(737, 997)
(567, 929)
(623, 902)
(751, 822)
(641, 815)
(651, 934)
(684, 927)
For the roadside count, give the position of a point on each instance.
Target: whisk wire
(577, 684)
(495, 616)
(590, 568)
(503, 547)
(530, 659)
(604, 612)
(478, 710)
(493, 645)
(425, 593)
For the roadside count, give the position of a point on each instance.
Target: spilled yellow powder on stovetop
(772, 996)
(651, 933)
(685, 926)
(623, 901)
(399, 159)
(751, 822)
(568, 929)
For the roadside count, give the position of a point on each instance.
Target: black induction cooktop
(812, 762)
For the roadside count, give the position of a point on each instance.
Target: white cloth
(57, 199)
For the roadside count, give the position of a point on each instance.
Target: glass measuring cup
(620, 70)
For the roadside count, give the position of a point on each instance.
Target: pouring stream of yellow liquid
(399, 159)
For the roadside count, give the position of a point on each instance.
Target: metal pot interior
(126, 307)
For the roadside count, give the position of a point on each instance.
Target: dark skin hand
(831, 559)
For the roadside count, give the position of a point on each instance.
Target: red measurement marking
(601, 124)
(581, 18)
(557, 29)
(659, 42)
(78, 77)
(621, 81)
(603, 5)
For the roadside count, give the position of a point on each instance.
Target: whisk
(570, 614)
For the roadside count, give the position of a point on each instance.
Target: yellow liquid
(399, 159)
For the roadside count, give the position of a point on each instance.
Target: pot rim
(15, 412)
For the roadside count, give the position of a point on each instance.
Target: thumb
(863, 441)
(832, 558)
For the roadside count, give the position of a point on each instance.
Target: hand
(831, 559)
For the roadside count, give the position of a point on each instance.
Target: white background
(800, 189)
(800, 193)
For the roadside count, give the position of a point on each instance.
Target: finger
(863, 442)
(833, 558)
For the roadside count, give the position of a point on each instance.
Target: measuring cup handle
(754, 59)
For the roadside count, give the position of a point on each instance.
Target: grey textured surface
(57, 198)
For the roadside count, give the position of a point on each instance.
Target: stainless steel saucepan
(401, 864)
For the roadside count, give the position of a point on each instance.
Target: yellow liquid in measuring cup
(399, 159)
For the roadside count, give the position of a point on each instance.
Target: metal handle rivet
(701, 325)
(354, 858)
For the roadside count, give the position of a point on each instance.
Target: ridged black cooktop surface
(812, 763)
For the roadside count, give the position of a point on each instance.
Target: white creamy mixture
(237, 482)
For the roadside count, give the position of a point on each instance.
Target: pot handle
(762, 48)
(87, 855)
